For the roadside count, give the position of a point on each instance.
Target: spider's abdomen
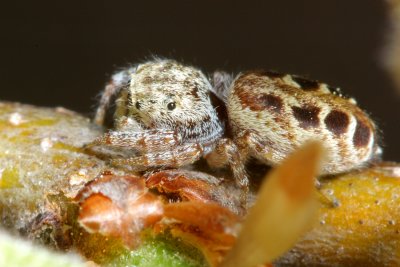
(285, 111)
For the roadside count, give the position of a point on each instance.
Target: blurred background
(61, 53)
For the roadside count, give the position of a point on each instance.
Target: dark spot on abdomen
(260, 102)
(337, 122)
(306, 84)
(362, 134)
(307, 116)
(271, 102)
(271, 74)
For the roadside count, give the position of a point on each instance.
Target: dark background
(61, 53)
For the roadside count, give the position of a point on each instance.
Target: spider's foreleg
(142, 141)
(173, 158)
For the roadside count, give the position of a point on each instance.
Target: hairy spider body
(163, 95)
(165, 115)
(282, 112)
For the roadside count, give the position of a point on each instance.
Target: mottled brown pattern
(188, 128)
(307, 116)
(278, 120)
(147, 80)
(142, 142)
(259, 102)
(362, 134)
(194, 91)
(206, 119)
(306, 84)
(162, 79)
(337, 122)
(343, 148)
(268, 73)
(246, 80)
(168, 66)
(290, 136)
(270, 102)
(193, 88)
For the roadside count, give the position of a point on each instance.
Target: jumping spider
(165, 114)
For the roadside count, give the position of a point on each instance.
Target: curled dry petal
(283, 211)
(122, 207)
(207, 226)
(184, 184)
(210, 218)
(188, 185)
(119, 206)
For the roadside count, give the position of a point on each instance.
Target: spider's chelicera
(164, 113)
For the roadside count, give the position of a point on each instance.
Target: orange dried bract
(210, 218)
(119, 206)
(196, 186)
(98, 212)
(122, 207)
(214, 249)
(178, 183)
(207, 226)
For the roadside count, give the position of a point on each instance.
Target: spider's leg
(221, 84)
(262, 150)
(251, 142)
(142, 141)
(118, 81)
(226, 152)
(173, 158)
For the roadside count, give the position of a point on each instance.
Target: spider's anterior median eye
(171, 106)
(138, 105)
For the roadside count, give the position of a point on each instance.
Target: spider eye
(138, 105)
(171, 106)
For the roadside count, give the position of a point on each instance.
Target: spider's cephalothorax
(165, 115)
(165, 95)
